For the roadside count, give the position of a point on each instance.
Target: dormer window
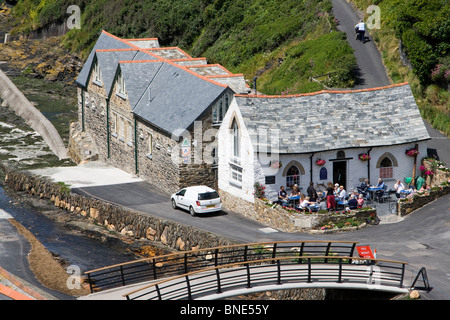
(120, 85)
(220, 109)
(96, 74)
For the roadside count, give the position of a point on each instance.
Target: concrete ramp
(15, 99)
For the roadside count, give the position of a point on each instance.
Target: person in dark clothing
(282, 196)
(352, 203)
(312, 193)
(331, 201)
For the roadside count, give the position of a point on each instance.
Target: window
(340, 154)
(386, 168)
(236, 174)
(122, 129)
(129, 132)
(292, 176)
(96, 74)
(220, 109)
(115, 125)
(236, 139)
(120, 84)
(150, 144)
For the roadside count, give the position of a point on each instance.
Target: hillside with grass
(414, 40)
(282, 42)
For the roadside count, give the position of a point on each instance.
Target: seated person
(380, 183)
(352, 203)
(282, 196)
(342, 194)
(295, 191)
(360, 201)
(305, 203)
(363, 187)
(398, 186)
(320, 196)
(423, 188)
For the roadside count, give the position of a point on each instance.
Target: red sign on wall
(365, 252)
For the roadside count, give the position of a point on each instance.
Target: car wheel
(174, 204)
(191, 211)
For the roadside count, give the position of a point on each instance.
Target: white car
(197, 199)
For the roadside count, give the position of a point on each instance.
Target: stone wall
(438, 186)
(133, 224)
(405, 206)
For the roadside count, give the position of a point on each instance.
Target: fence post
(188, 286)
(122, 275)
(90, 282)
(159, 292)
(154, 269)
(185, 263)
(248, 276)
(216, 257)
(219, 288)
(327, 252)
(340, 270)
(274, 250)
(279, 272)
(309, 270)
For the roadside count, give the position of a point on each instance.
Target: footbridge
(220, 272)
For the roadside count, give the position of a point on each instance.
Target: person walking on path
(360, 29)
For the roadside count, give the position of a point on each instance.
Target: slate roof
(105, 41)
(108, 62)
(331, 120)
(178, 95)
(174, 97)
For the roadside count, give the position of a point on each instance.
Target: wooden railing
(262, 274)
(189, 261)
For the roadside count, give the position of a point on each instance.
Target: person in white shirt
(342, 193)
(398, 186)
(360, 29)
(305, 203)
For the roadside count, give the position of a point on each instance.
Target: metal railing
(277, 273)
(189, 261)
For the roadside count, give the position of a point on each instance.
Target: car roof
(200, 188)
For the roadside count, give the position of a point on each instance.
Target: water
(70, 246)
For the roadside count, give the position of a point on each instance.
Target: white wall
(256, 166)
(246, 189)
(356, 169)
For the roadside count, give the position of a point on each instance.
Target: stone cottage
(338, 136)
(154, 111)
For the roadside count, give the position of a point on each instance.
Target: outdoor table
(342, 203)
(314, 207)
(405, 192)
(372, 191)
(293, 199)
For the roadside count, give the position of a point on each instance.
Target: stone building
(319, 137)
(154, 111)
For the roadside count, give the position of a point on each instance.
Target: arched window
(386, 168)
(292, 176)
(340, 154)
(236, 139)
